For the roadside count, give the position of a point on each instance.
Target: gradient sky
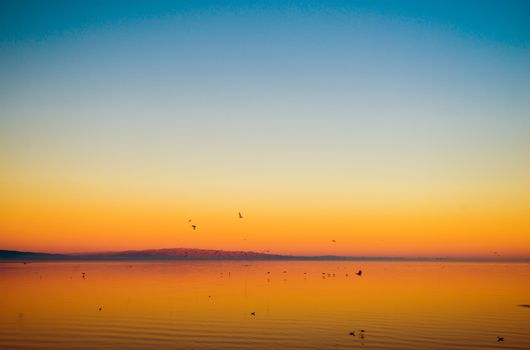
(394, 128)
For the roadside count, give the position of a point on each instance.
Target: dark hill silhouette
(149, 254)
(181, 254)
(16, 255)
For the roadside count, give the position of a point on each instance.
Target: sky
(393, 128)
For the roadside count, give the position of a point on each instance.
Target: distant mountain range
(208, 254)
(178, 254)
(13, 255)
(167, 254)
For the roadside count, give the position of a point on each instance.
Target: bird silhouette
(499, 339)
(352, 333)
(252, 314)
(193, 227)
(240, 216)
(359, 273)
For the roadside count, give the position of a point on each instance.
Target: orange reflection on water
(297, 304)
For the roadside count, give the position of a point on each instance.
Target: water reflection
(264, 305)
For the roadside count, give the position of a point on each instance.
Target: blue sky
(224, 67)
(505, 22)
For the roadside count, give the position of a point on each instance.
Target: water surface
(297, 305)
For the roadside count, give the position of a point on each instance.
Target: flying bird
(193, 227)
(240, 216)
(252, 314)
(352, 333)
(359, 273)
(499, 339)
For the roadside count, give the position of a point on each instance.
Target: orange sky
(55, 216)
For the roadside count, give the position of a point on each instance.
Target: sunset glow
(394, 130)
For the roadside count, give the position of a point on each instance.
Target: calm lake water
(297, 305)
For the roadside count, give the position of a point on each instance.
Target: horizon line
(269, 256)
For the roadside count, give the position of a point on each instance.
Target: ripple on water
(156, 306)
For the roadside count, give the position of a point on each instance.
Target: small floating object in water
(99, 309)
